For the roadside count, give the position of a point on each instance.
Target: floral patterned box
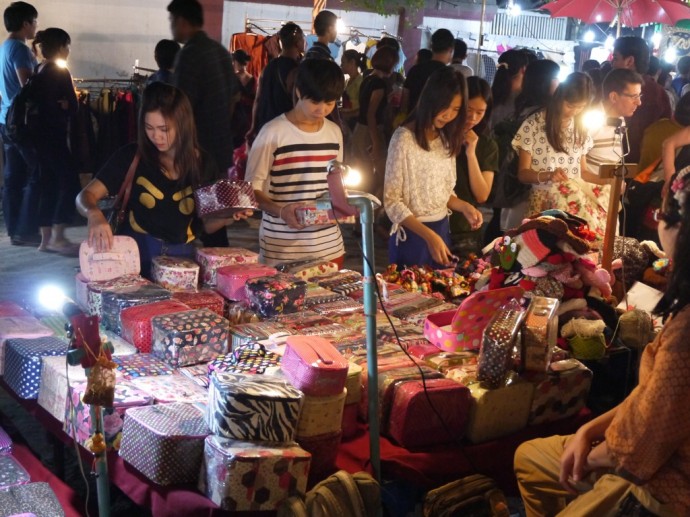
(95, 290)
(210, 259)
(252, 476)
(136, 321)
(23, 363)
(141, 365)
(77, 414)
(53, 388)
(190, 337)
(171, 388)
(12, 473)
(114, 302)
(272, 295)
(201, 299)
(175, 273)
(165, 442)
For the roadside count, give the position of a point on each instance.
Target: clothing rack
(260, 24)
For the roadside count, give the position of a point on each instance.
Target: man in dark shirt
(165, 53)
(442, 48)
(326, 31)
(204, 71)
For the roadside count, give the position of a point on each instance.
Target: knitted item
(585, 338)
(556, 227)
(531, 249)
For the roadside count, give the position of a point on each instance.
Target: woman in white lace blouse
(420, 174)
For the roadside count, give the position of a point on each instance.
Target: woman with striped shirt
(287, 167)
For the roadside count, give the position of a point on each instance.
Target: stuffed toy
(594, 276)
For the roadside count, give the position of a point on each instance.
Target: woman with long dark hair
(161, 210)
(421, 176)
(507, 83)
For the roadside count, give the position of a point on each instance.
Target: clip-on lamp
(345, 204)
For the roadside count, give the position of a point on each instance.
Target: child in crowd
(421, 176)
(287, 166)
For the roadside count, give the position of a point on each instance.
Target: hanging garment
(254, 45)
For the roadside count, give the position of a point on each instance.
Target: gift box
(231, 280)
(23, 363)
(414, 417)
(306, 269)
(324, 454)
(201, 299)
(175, 273)
(120, 346)
(165, 442)
(250, 476)
(314, 366)
(539, 334)
(136, 321)
(12, 473)
(498, 412)
(272, 295)
(25, 327)
(77, 414)
(224, 198)
(114, 302)
(53, 387)
(321, 415)
(191, 337)
(210, 259)
(253, 407)
(251, 358)
(496, 352)
(96, 290)
(5, 442)
(560, 393)
(121, 259)
(31, 499)
(140, 365)
(171, 388)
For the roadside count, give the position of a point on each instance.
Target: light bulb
(588, 36)
(353, 178)
(51, 297)
(62, 63)
(340, 26)
(593, 119)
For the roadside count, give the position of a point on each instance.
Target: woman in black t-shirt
(161, 211)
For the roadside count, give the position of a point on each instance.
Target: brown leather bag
(471, 496)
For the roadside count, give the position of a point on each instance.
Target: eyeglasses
(635, 97)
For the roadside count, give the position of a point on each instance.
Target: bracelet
(539, 181)
(280, 214)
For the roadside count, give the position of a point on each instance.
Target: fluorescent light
(588, 36)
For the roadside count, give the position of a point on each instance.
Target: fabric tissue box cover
(96, 290)
(53, 388)
(210, 259)
(12, 473)
(32, 499)
(252, 476)
(559, 394)
(201, 299)
(122, 259)
(498, 412)
(413, 422)
(190, 337)
(114, 302)
(77, 414)
(136, 321)
(232, 279)
(224, 198)
(253, 407)
(252, 358)
(23, 363)
(141, 365)
(314, 366)
(165, 442)
(175, 273)
(171, 388)
(321, 415)
(5, 442)
(273, 295)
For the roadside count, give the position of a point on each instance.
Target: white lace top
(418, 182)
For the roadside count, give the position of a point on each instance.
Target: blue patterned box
(140, 365)
(12, 473)
(23, 363)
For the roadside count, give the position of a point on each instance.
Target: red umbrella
(630, 13)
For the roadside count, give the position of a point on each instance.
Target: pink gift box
(232, 279)
(314, 366)
(210, 259)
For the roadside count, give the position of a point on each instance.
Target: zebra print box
(253, 407)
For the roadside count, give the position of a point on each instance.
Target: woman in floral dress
(552, 146)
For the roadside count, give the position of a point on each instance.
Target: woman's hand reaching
(100, 233)
(438, 249)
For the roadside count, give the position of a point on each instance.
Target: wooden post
(611, 222)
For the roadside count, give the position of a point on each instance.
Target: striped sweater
(289, 165)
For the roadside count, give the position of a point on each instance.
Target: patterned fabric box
(499, 412)
(272, 295)
(141, 365)
(190, 337)
(246, 332)
(12, 473)
(251, 358)
(32, 499)
(171, 388)
(201, 299)
(136, 321)
(23, 363)
(251, 476)
(198, 373)
(165, 442)
(5, 442)
(314, 366)
(175, 273)
(253, 407)
(77, 414)
(324, 454)
(114, 302)
(309, 269)
(96, 290)
(321, 415)
(120, 346)
(232, 279)
(26, 327)
(224, 198)
(559, 394)
(53, 388)
(210, 259)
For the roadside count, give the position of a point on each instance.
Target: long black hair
(575, 89)
(478, 87)
(536, 85)
(510, 63)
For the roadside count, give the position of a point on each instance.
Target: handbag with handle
(471, 496)
(114, 208)
(122, 259)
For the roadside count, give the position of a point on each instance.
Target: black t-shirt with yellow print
(158, 206)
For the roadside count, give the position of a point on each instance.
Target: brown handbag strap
(126, 188)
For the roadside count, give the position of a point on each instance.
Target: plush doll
(594, 276)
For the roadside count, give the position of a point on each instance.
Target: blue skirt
(414, 251)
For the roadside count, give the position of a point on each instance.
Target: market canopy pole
(480, 40)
